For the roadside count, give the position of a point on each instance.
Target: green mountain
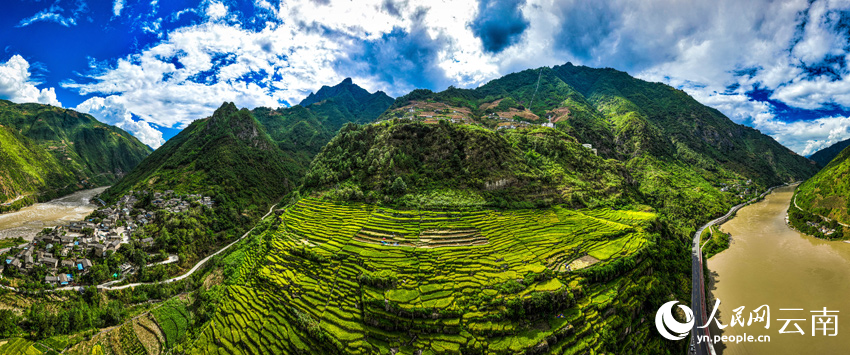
(450, 238)
(827, 194)
(228, 156)
(826, 155)
(548, 211)
(302, 130)
(46, 152)
(448, 165)
(680, 151)
(478, 221)
(247, 160)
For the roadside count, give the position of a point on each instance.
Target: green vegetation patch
(327, 288)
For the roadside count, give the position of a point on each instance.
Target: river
(28, 221)
(770, 263)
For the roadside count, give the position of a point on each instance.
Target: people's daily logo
(824, 322)
(664, 320)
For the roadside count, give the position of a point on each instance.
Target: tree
(8, 323)
(398, 187)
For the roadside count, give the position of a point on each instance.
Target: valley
(28, 221)
(770, 263)
(438, 223)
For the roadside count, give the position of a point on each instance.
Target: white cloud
(111, 110)
(54, 13)
(176, 81)
(803, 137)
(216, 10)
(117, 6)
(47, 16)
(395, 46)
(17, 86)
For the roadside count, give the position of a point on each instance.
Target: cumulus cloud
(499, 23)
(111, 110)
(803, 137)
(216, 10)
(794, 50)
(188, 74)
(16, 84)
(117, 6)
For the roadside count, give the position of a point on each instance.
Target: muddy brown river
(770, 263)
(30, 220)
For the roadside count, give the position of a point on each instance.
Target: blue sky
(151, 67)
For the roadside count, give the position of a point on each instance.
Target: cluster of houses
(68, 248)
(176, 204)
(511, 123)
(820, 228)
(43, 252)
(741, 190)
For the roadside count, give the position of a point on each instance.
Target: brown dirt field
(148, 335)
(487, 105)
(583, 262)
(526, 114)
(214, 278)
(560, 114)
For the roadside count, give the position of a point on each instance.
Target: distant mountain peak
(345, 88)
(825, 155)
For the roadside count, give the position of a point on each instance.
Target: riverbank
(28, 221)
(772, 264)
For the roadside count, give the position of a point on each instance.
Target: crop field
(173, 318)
(155, 332)
(362, 279)
(20, 346)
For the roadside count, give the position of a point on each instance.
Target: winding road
(826, 219)
(698, 283)
(107, 286)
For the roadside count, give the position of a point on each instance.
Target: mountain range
(545, 211)
(529, 177)
(826, 155)
(248, 159)
(47, 152)
(679, 151)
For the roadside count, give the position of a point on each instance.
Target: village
(415, 113)
(68, 251)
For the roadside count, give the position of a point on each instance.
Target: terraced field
(359, 279)
(20, 346)
(156, 332)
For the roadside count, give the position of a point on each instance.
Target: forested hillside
(680, 152)
(47, 151)
(449, 165)
(302, 130)
(228, 156)
(827, 194)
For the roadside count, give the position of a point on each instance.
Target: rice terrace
(359, 279)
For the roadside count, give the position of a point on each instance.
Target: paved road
(194, 268)
(172, 258)
(698, 283)
(107, 285)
